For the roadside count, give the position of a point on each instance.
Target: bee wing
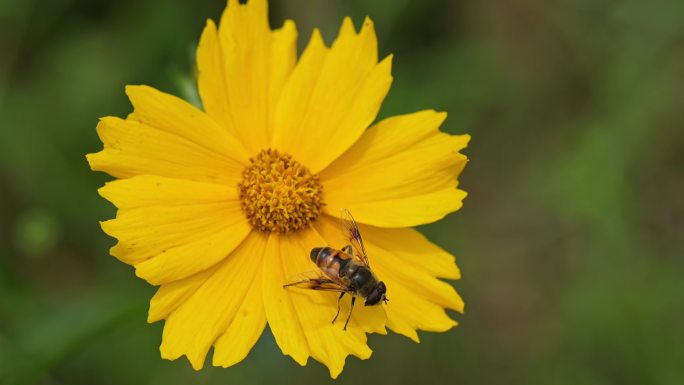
(353, 236)
(316, 280)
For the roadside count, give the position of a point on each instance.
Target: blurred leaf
(569, 241)
(42, 343)
(36, 232)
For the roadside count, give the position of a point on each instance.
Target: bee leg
(338, 306)
(347, 249)
(350, 311)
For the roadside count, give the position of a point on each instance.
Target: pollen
(279, 194)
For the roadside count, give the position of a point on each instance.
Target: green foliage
(570, 241)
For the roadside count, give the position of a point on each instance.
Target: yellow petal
(171, 295)
(332, 96)
(249, 322)
(167, 136)
(283, 61)
(301, 319)
(132, 148)
(407, 311)
(167, 238)
(211, 81)
(176, 116)
(417, 297)
(214, 307)
(401, 173)
(413, 248)
(281, 313)
(242, 69)
(294, 100)
(151, 190)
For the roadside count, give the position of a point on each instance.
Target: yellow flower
(220, 207)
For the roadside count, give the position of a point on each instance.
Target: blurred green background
(570, 242)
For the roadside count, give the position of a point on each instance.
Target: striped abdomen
(338, 264)
(330, 261)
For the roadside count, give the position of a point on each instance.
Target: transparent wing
(316, 280)
(353, 236)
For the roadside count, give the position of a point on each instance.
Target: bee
(346, 271)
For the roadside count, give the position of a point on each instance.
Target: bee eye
(377, 295)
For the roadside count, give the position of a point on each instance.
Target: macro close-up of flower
(270, 192)
(220, 206)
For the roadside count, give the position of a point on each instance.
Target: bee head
(377, 295)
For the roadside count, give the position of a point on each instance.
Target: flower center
(278, 194)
